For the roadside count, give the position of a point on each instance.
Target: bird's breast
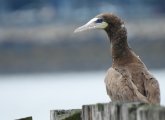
(114, 82)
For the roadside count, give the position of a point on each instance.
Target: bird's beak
(91, 25)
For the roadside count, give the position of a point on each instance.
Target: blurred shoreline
(37, 37)
(55, 48)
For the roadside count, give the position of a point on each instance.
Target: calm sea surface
(36, 94)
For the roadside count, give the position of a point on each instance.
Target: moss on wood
(27, 118)
(100, 107)
(75, 116)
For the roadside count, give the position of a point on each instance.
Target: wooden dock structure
(110, 111)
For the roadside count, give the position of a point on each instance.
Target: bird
(128, 79)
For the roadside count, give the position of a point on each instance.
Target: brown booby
(128, 80)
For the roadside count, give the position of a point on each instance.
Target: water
(35, 95)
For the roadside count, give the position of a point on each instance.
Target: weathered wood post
(123, 111)
(74, 114)
(112, 111)
(151, 112)
(26, 118)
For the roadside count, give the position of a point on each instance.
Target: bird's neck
(121, 53)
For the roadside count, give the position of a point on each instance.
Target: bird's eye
(99, 20)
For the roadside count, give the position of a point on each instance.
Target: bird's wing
(120, 86)
(151, 88)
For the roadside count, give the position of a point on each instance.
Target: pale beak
(84, 27)
(91, 25)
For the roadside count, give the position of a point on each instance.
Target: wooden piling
(74, 114)
(26, 118)
(123, 111)
(112, 111)
(151, 112)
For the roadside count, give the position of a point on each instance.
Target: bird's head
(107, 21)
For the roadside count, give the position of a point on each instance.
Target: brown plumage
(128, 79)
